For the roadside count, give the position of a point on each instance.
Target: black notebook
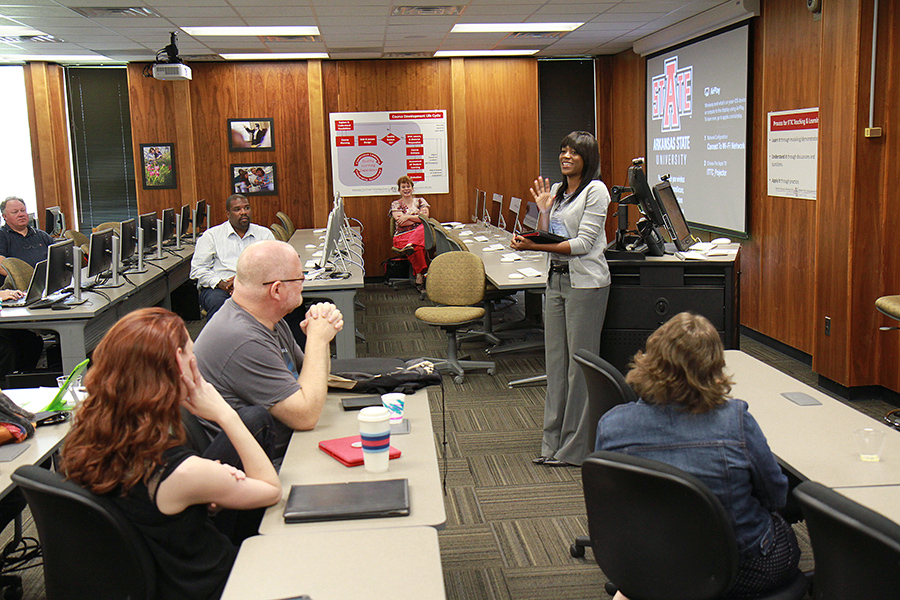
(353, 500)
(539, 236)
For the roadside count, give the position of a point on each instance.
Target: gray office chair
(856, 550)
(91, 550)
(660, 533)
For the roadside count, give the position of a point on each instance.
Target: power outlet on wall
(827, 325)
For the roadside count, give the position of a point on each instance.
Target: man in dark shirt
(17, 239)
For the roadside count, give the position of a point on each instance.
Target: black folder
(539, 236)
(341, 501)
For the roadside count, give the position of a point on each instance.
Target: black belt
(559, 268)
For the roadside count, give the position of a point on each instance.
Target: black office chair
(197, 437)
(856, 550)
(659, 533)
(90, 548)
(606, 388)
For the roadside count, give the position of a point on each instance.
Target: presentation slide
(697, 128)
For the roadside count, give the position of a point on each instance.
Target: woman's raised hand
(541, 193)
(203, 399)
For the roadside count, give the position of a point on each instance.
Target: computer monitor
(641, 193)
(200, 215)
(332, 234)
(147, 222)
(128, 239)
(54, 221)
(168, 226)
(59, 266)
(673, 216)
(515, 208)
(479, 206)
(185, 220)
(100, 253)
(496, 210)
(530, 220)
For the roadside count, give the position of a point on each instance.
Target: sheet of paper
(529, 272)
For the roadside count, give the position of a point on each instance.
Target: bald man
(248, 353)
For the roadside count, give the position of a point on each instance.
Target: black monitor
(59, 266)
(201, 215)
(127, 239)
(168, 226)
(54, 221)
(496, 210)
(185, 220)
(641, 194)
(673, 216)
(148, 226)
(479, 206)
(532, 213)
(100, 254)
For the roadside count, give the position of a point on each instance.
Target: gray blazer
(583, 221)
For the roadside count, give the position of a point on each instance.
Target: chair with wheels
(400, 254)
(19, 274)
(456, 282)
(91, 550)
(856, 550)
(660, 533)
(606, 387)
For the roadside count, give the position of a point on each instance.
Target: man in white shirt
(217, 251)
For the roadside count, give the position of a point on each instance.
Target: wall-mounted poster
(793, 153)
(370, 151)
(255, 179)
(250, 135)
(158, 166)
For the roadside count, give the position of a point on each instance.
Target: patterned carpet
(509, 522)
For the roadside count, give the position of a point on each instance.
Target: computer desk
(304, 463)
(45, 441)
(81, 328)
(378, 564)
(340, 291)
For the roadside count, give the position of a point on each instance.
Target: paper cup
(375, 434)
(394, 403)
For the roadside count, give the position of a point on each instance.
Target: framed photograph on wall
(254, 179)
(250, 135)
(158, 166)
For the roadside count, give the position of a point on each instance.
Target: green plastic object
(59, 401)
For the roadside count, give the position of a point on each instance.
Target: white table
(376, 564)
(305, 463)
(817, 442)
(45, 441)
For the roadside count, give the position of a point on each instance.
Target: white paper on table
(318, 230)
(481, 238)
(494, 248)
(529, 272)
(317, 253)
(510, 256)
(311, 246)
(465, 233)
(452, 224)
(33, 399)
(702, 246)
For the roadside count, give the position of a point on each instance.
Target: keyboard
(50, 300)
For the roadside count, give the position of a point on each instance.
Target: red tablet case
(343, 451)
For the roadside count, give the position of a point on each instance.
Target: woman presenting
(686, 419)
(128, 443)
(409, 233)
(577, 291)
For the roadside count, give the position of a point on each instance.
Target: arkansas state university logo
(671, 95)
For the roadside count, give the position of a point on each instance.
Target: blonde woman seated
(686, 419)
(409, 233)
(128, 443)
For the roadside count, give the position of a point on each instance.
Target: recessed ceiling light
(275, 56)
(449, 53)
(252, 31)
(17, 30)
(511, 27)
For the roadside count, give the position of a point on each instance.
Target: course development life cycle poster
(371, 150)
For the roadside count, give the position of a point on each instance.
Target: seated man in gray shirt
(248, 353)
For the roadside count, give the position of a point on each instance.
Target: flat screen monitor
(530, 220)
(148, 226)
(641, 194)
(496, 210)
(200, 216)
(100, 253)
(479, 206)
(332, 234)
(59, 266)
(168, 226)
(185, 220)
(673, 216)
(128, 239)
(54, 221)
(515, 208)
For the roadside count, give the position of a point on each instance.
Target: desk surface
(41, 445)
(305, 463)
(884, 499)
(376, 564)
(817, 441)
(310, 241)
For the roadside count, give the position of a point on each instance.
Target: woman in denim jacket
(685, 419)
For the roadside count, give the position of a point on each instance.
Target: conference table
(305, 463)
(817, 442)
(80, 328)
(341, 291)
(378, 564)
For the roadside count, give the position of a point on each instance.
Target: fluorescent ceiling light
(251, 31)
(275, 56)
(449, 53)
(12, 30)
(512, 27)
(57, 58)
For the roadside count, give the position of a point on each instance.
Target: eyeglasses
(285, 280)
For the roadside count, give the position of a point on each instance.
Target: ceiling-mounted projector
(171, 72)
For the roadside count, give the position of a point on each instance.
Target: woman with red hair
(128, 443)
